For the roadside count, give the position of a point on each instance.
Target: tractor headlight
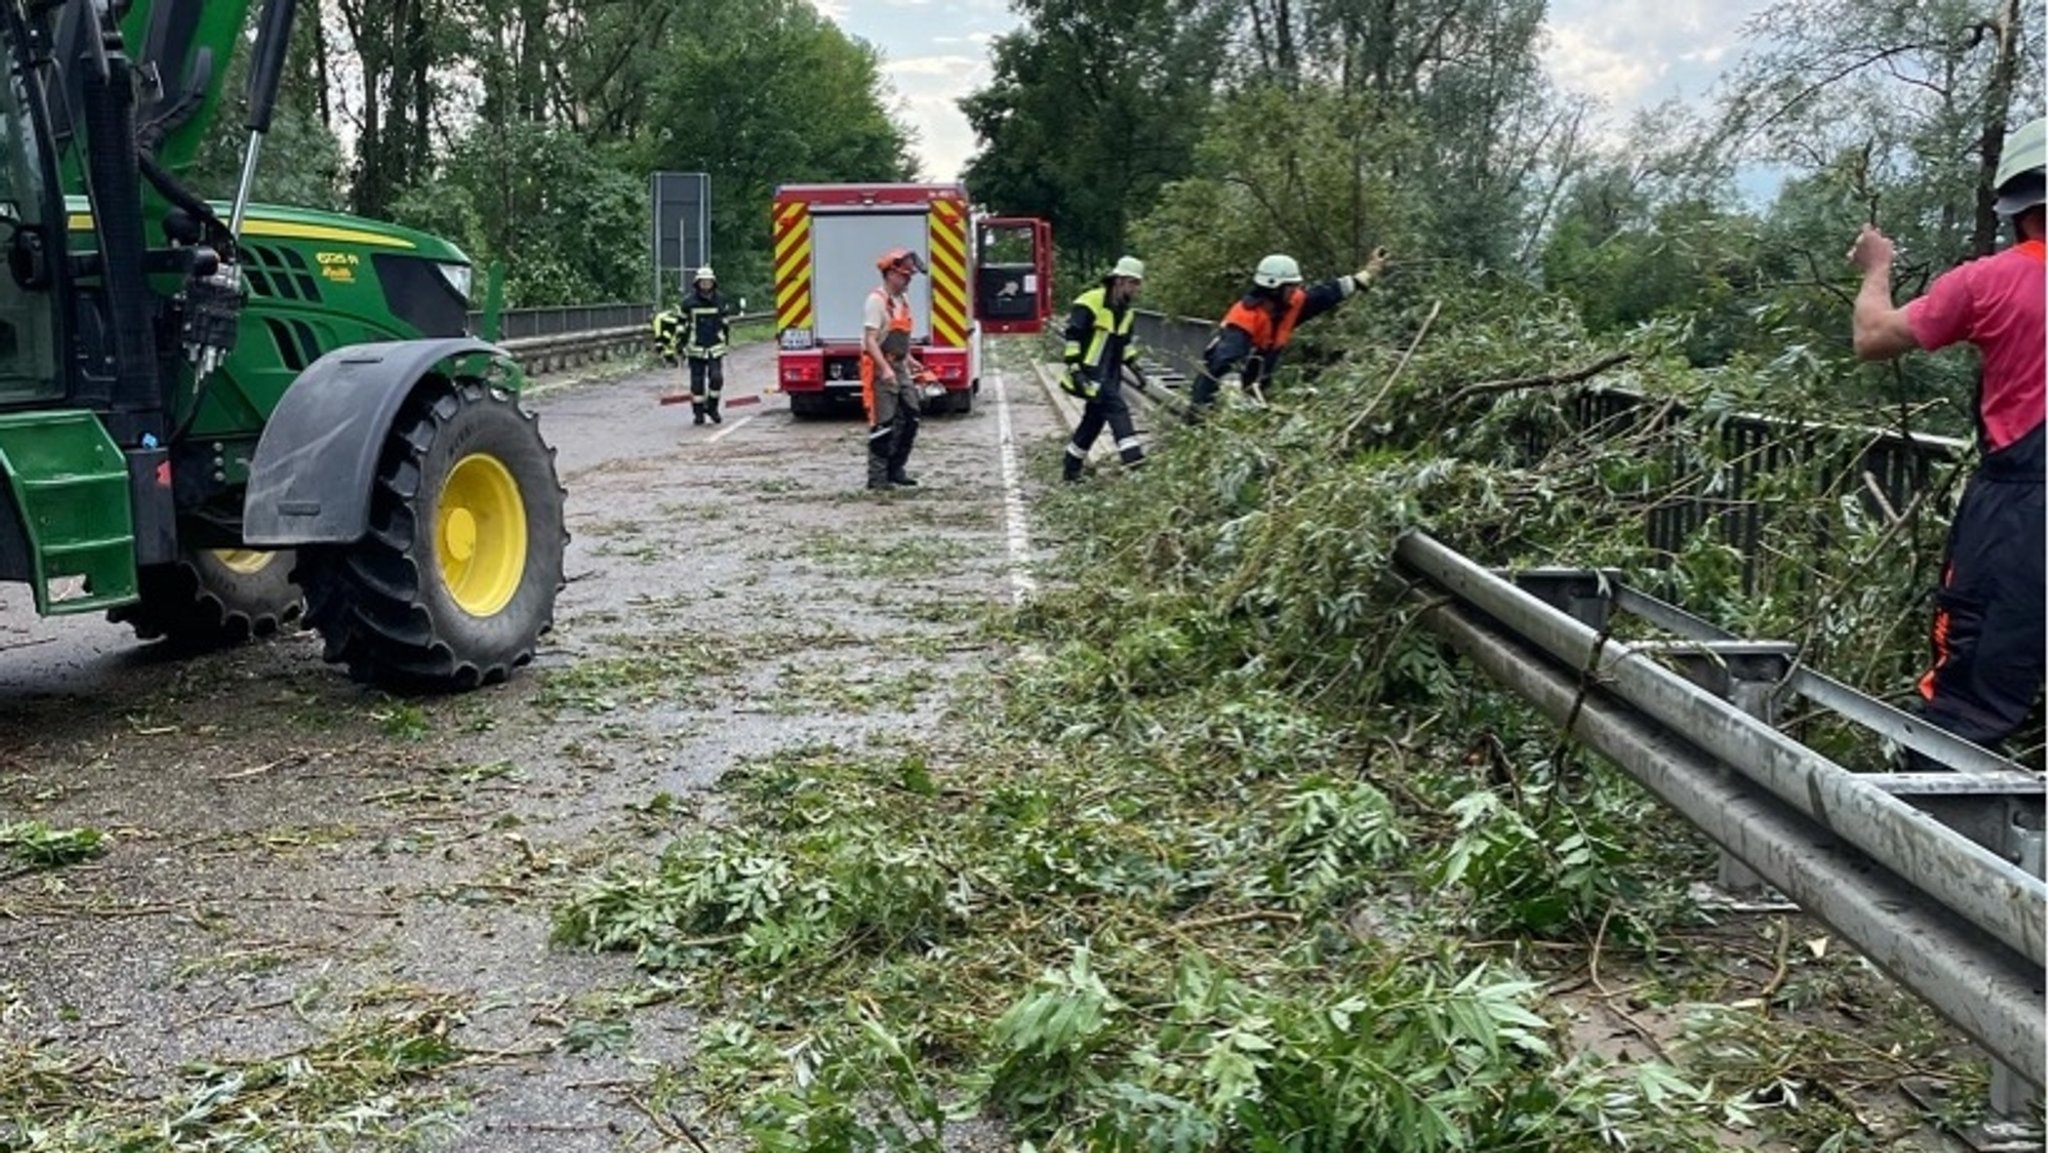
(458, 277)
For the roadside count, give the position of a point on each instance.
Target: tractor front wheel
(455, 581)
(213, 598)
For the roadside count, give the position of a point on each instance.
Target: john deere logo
(338, 266)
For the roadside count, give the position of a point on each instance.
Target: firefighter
(1099, 347)
(705, 333)
(888, 386)
(1988, 633)
(1257, 328)
(668, 327)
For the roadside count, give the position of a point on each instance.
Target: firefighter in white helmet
(1100, 346)
(1257, 328)
(705, 334)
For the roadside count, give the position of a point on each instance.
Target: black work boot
(905, 437)
(697, 410)
(711, 407)
(878, 463)
(1070, 468)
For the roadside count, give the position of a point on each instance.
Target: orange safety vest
(1268, 335)
(898, 309)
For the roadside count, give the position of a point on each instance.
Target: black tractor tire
(403, 607)
(210, 599)
(961, 403)
(806, 405)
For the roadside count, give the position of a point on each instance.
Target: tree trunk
(1997, 111)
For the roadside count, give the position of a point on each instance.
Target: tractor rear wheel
(213, 598)
(455, 581)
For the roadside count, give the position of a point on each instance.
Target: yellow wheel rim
(480, 534)
(246, 561)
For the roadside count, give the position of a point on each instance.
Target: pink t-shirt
(1999, 304)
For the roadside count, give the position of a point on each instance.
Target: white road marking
(729, 429)
(1022, 584)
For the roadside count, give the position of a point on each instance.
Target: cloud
(931, 88)
(1579, 62)
(934, 66)
(1632, 53)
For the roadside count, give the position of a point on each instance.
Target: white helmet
(705, 273)
(1130, 268)
(1276, 270)
(2020, 184)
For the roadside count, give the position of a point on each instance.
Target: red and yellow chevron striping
(792, 266)
(948, 245)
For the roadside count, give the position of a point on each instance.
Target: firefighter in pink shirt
(1989, 635)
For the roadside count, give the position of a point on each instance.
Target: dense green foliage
(1247, 860)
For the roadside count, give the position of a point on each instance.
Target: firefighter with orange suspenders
(888, 388)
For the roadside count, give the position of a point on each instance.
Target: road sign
(681, 240)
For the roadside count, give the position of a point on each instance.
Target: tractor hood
(278, 222)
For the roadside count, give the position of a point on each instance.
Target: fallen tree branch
(1552, 380)
(1374, 403)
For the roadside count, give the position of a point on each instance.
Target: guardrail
(1935, 877)
(557, 320)
(557, 339)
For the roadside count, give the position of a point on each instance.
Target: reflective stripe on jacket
(704, 327)
(1099, 336)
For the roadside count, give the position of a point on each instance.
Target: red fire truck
(987, 274)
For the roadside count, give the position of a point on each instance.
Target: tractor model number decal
(339, 267)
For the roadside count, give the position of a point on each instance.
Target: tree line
(1199, 134)
(1202, 133)
(525, 130)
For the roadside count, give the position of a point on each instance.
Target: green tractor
(215, 414)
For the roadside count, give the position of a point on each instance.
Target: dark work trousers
(707, 381)
(894, 431)
(1989, 628)
(1106, 407)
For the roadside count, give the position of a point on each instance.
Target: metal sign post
(681, 231)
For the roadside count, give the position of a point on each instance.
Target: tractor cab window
(28, 361)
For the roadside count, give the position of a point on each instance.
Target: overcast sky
(1627, 52)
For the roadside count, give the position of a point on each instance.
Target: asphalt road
(291, 856)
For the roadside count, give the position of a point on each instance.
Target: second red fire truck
(988, 274)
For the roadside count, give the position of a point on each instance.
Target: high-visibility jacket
(668, 329)
(1257, 328)
(704, 327)
(1099, 337)
(1269, 328)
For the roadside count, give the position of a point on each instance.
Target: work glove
(1371, 271)
(1077, 383)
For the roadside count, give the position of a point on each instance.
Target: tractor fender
(315, 464)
